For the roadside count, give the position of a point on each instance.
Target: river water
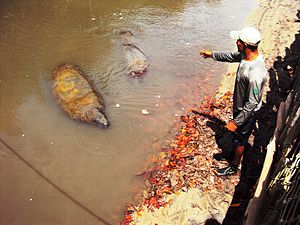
(55, 170)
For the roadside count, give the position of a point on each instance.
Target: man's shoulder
(258, 72)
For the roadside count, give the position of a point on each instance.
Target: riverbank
(181, 187)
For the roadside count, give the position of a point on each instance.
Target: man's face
(240, 45)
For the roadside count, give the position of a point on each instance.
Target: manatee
(136, 60)
(78, 96)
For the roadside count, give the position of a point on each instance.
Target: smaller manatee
(136, 60)
(78, 96)
(137, 63)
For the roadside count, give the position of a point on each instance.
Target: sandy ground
(276, 21)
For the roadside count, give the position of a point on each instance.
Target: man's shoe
(229, 170)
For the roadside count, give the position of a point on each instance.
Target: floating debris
(145, 112)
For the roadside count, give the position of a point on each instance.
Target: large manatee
(137, 62)
(78, 96)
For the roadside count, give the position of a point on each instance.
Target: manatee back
(136, 60)
(74, 91)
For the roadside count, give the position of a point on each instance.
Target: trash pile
(188, 161)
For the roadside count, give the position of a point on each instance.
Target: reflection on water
(97, 167)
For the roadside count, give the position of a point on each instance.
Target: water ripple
(112, 141)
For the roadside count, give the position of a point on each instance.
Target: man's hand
(231, 125)
(206, 53)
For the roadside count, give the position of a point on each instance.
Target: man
(248, 89)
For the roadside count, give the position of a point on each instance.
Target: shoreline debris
(187, 162)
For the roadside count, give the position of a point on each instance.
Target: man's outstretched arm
(222, 56)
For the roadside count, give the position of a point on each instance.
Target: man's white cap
(249, 35)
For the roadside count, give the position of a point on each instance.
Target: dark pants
(244, 131)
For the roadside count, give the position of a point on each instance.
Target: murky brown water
(97, 167)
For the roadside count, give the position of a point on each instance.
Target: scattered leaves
(187, 161)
